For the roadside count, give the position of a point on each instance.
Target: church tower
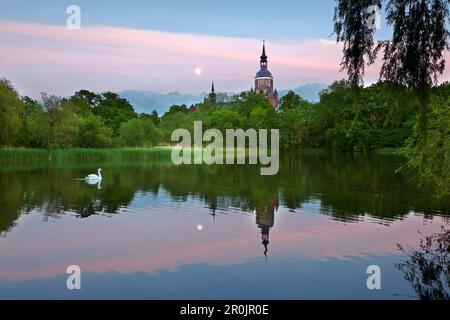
(264, 81)
(213, 95)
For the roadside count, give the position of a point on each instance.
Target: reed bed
(20, 155)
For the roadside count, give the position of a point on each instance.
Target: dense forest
(383, 116)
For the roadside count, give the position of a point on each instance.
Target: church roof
(263, 73)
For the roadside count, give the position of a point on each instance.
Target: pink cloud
(53, 59)
(60, 61)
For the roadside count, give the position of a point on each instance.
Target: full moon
(199, 227)
(198, 71)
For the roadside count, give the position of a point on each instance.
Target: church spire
(213, 96)
(264, 56)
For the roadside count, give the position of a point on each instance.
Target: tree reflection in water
(344, 187)
(428, 268)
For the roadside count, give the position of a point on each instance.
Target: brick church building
(263, 85)
(264, 81)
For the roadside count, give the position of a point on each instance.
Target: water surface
(152, 230)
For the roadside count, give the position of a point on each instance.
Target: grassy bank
(18, 155)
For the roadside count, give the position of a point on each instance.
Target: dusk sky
(157, 45)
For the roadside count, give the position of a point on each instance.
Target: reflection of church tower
(213, 206)
(265, 220)
(264, 81)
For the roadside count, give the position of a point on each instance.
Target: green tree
(353, 28)
(416, 54)
(90, 98)
(153, 117)
(37, 129)
(173, 121)
(429, 153)
(132, 133)
(153, 135)
(30, 107)
(140, 133)
(94, 134)
(247, 101)
(66, 130)
(293, 128)
(10, 113)
(291, 101)
(114, 111)
(224, 118)
(263, 118)
(415, 57)
(177, 108)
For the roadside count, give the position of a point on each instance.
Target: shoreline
(30, 154)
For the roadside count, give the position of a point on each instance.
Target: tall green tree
(94, 134)
(155, 117)
(140, 132)
(414, 57)
(293, 128)
(263, 118)
(416, 54)
(177, 108)
(291, 101)
(247, 101)
(132, 133)
(353, 28)
(224, 118)
(114, 111)
(91, 98)
(59, 123)
(10, 113)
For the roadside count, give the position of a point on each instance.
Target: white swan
(94, 177)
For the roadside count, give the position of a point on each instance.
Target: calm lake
(152, 230)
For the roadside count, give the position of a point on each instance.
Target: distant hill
(309, 92)
(146, 102)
